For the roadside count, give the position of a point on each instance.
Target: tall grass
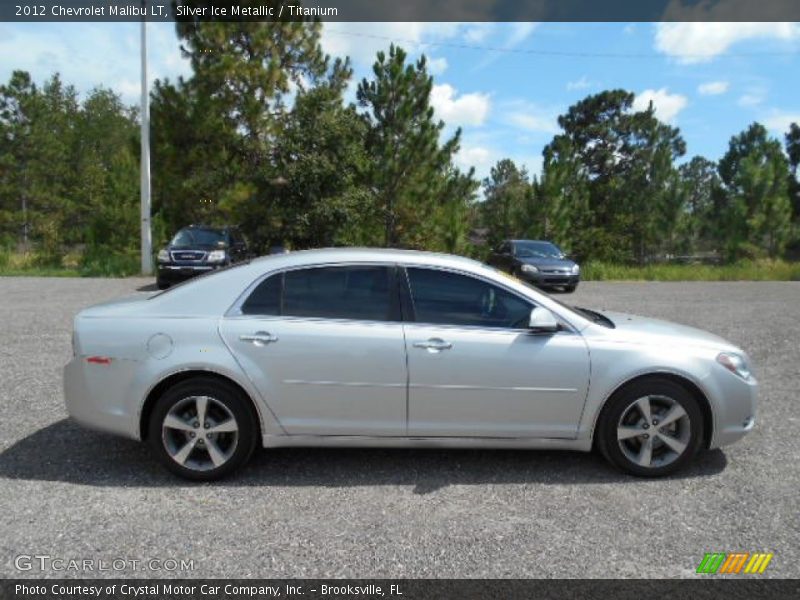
(94, 264)
(759, 270)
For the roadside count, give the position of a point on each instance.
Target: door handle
(259, 338)
(433, 345)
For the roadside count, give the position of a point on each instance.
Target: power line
(551, 53)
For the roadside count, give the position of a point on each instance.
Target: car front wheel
(651, 428)
(202, 429)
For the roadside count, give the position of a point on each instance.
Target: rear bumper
(95, 396)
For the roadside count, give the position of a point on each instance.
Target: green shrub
(748, 270)
(107, 263)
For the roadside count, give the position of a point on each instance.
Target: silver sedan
(362, 347)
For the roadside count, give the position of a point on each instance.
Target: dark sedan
(538, 262)
(198, 249)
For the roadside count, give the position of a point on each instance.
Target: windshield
(537, 250)
(199, 237)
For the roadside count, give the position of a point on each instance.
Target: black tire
(223, 393)
(571, 288)
(619, 405)
(162, 285)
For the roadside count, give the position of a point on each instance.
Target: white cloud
(88, 55)
(533, 122)
(752, 98)
(516, 34)
(701, 42)
(362, 41)
(475, 156)
(437, 66)
(579, 84)
(666, 105)
(478, 32)
(530, 117)
(779, 121)
(467, 109)
(519, 33)
(713, 88)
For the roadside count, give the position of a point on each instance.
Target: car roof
(206, 227)
(333, 255)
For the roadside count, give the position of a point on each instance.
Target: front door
(476, 371)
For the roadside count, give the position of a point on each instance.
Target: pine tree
(754, 194)
(409, 164)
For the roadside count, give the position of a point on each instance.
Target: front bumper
(735, 416)
(550, 279)
(174, 273)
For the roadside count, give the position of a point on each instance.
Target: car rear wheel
(651, 428)
(203, 429)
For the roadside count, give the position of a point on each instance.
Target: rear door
(325, 347)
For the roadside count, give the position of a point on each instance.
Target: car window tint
(448, 298)
(338, 293)
(265, 299)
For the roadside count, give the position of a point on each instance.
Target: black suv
(198, 249)
(538, 262)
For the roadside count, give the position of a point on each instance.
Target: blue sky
(504, 84)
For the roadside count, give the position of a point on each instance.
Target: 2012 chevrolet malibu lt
(361, 347)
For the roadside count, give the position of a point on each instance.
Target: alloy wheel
(654, 431)
(200, 433)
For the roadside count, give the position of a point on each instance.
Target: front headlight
(216, 256)
(163, 255)
(529, 269)
(575, 269)
(735, 364)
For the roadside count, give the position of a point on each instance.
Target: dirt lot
(70, 493)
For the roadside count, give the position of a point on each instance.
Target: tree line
(261, 136)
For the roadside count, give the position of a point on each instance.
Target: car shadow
(65, 452)
(150, 287)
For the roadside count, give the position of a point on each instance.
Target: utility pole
(147, 242)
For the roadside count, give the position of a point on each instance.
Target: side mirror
(542, 321)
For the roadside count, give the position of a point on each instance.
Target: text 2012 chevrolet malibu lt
(362, 347)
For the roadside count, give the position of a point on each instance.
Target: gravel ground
(70, 493)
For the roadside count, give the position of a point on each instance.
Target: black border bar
(400, 10)
(741, 587)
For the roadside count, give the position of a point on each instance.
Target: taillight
(98, 360)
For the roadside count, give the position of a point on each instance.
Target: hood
(665, 331)
(546, 262)
(203, 247)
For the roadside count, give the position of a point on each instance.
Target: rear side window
(353, 292)
(445, 298)
(266, 298)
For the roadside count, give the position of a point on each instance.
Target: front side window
(352, 292)
(442, 297)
